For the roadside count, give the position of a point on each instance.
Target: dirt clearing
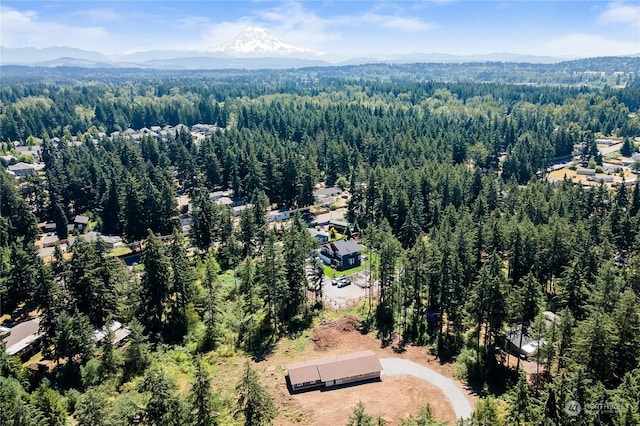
(393, 398)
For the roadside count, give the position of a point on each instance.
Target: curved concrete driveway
(459, 402)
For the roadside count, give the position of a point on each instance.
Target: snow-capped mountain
(255, 41)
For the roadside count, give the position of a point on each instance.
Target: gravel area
(397, 366)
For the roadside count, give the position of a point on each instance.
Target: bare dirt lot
(393, 398)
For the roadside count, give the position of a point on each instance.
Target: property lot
(393, 398)
(333, 407)
(339, 298)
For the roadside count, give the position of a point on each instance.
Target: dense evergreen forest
(447, 185)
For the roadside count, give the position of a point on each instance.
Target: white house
(278, 215)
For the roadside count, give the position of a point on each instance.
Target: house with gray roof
(341, 254)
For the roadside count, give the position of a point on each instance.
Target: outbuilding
(334, 371)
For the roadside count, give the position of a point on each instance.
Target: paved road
(459, 402)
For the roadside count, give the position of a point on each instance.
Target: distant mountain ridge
(253, 48)
(224, 56)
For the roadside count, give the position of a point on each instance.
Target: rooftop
(335, 367)
(345, 246)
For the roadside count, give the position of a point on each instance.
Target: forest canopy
(447, 182)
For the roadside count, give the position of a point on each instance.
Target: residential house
(334, 371)
(323, 237)
(8, 158)
(327, 196)
(520, 344)
(22, 169)
(49, 227)
(24, 339)
(224, 201)
(33, 151)
(586, 172)
(278, 215)
(206, 129)
(111, 241)
(523, 345)
(216, 195)
(341, 254)
(119, 332)
(81, 222)
(237, 210)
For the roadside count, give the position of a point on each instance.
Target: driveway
(459, 402)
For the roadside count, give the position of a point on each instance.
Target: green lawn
(120, 251)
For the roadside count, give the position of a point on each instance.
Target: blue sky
(350, 28)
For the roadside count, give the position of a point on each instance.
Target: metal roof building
(335, 370)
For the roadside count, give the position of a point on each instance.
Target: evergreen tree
(112, 211)
(136, 354)
(594, 346)
(181, 290)
(26, 267)
(60, 219)
(91, 408)
(359, 417)
(73, 337)
(164, 406)
(626, 352)
(201, 398)
(521, 405)
(156, 286)
(254, 402)
(204, 220)
(526, 305)
(212, 315)
(50, 403)
(487, 413)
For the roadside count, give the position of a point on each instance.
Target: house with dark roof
(334, 371)
(341, 254)
(522, 344)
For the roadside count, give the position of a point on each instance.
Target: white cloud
(589, 45)
(25, 28)
(396, 22)
(293, 23)
(97, 15)
(621, 13)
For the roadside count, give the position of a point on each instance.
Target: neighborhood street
(395, 366)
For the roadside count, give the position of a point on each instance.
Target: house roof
(315, 233)
(327, 192)
(335, 367)
(81, 220)
(22, 331)
(21, 166)
(345, 246)
(224, 201)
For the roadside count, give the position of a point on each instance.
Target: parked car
(345, 282)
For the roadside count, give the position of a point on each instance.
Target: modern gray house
(341, 254)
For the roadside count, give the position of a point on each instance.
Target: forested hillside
(448, 189)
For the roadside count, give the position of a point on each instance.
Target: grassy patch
(120, 251)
